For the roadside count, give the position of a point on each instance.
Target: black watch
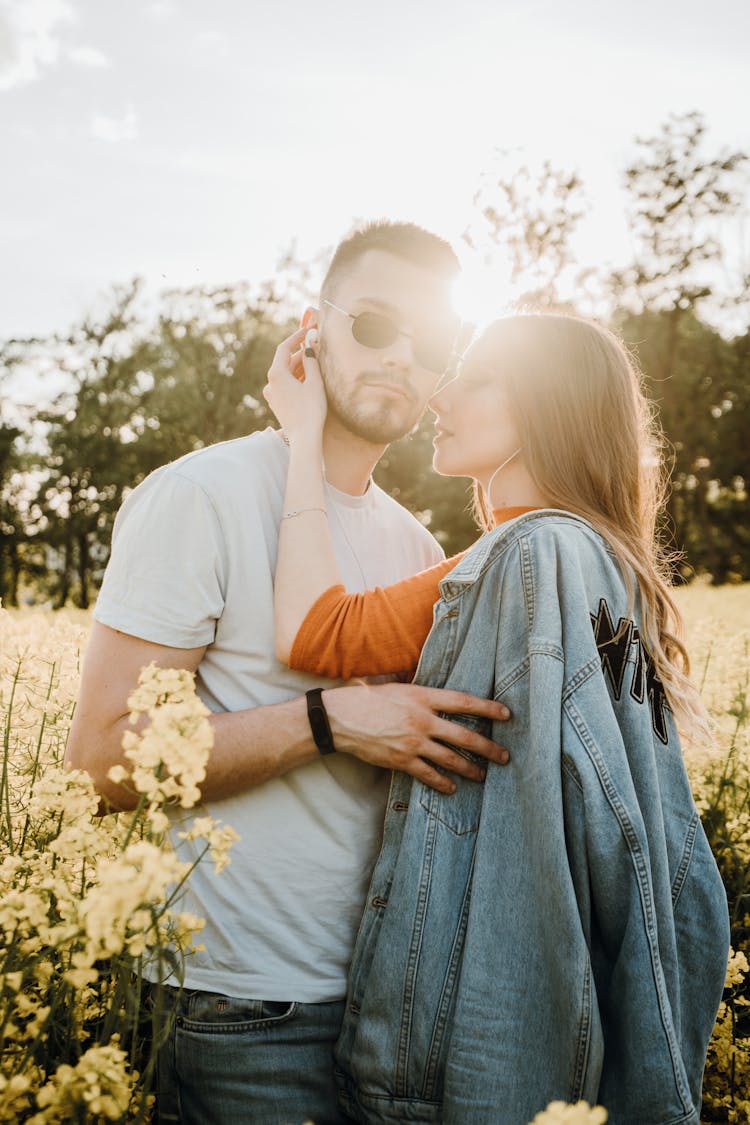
(319, 725)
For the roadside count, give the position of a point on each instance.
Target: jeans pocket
(215, 1013)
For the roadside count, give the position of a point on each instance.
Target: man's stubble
(379, 427)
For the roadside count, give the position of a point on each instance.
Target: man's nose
(400, 353)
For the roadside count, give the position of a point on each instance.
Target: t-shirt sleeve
(377, 632)
(166, 574)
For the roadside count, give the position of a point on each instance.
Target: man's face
(379, 394)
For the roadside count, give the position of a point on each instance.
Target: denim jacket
(559, 931)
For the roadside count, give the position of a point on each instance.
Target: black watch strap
(319, 725)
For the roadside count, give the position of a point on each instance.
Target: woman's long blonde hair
(592, 445)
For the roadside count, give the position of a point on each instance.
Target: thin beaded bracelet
(301, 512)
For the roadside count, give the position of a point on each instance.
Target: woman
(560, 929)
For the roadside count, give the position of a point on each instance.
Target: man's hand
(398, 726)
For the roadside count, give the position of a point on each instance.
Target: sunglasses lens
(373, 330)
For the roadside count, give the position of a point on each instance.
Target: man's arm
(395, 726)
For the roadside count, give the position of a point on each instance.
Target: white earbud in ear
(311, 338)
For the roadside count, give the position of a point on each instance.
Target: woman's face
(474, 430)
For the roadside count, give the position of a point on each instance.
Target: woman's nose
(440, 399)
(435, 403)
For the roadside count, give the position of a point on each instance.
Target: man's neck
(349, 460)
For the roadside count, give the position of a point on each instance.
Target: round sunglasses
(378, 331)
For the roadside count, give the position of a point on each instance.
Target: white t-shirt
(193, 559)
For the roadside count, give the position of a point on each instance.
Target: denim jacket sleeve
(600, 826)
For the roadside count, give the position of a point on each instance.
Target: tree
(526, 220)
(91, 457)
(11, 522)
(205, 367)
(144, 395)
(693, 377)
(680, 201)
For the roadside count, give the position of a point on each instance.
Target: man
(190, 585)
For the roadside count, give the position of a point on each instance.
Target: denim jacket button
(378, 901)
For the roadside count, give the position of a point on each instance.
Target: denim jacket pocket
(459, 812)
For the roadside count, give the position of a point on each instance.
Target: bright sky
(192, 142)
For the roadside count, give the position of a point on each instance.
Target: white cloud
(211, 37)
(115, 129)
(7, 46)
(87, 56)
(29, 38)
(162, 9)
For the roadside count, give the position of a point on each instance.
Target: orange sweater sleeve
(374, 633)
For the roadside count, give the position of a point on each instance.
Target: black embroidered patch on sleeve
(614, 645)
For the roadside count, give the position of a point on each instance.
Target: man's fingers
(406, 727)
(464, 703)
(456, 734)
(448, 758)
(425, 773)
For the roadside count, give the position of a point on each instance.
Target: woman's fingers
(311, 368)
(298, 402)
(288, 346)
(285, 359)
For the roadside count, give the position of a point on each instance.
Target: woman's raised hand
(305, 563)
(299, 402)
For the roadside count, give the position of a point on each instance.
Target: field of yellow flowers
(88, 904)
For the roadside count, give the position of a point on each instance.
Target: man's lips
(394, 388)
(441, 433)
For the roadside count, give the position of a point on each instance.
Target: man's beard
(379, 427)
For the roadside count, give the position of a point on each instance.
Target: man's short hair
(405, 240)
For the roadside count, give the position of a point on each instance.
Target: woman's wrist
(306, 456)
(306, 478)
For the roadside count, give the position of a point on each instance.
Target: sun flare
(482, 293)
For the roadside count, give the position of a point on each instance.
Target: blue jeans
(246, 1062)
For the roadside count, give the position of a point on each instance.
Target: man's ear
(309, 318)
